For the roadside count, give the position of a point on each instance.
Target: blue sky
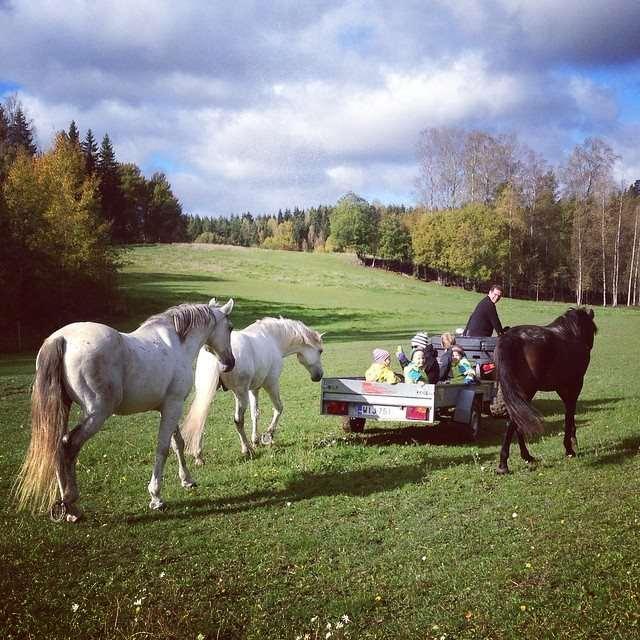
(251, 106)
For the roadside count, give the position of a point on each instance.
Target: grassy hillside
(406, 531)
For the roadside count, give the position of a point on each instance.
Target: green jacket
(414, 374)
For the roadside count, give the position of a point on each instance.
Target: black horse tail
(512, 367)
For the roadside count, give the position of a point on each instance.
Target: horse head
(219, 339)
(585, 326)
(310, 357)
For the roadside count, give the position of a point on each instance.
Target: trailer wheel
(475, 419)
(353, 425)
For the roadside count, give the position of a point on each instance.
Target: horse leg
(524, 452)
(255, 414)
(170, 415)
(242, 400)
(72, 442)
(570, 440)
(274, 394)
(177, 444)
(198, 459)
(503, 467)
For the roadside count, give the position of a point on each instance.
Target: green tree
(73, 133)
(6, 154)
(164, 221)
(112, 198)
(20, 132)
(395, 239)
(282, 237)
(135, 201)
(67, 266)
(354, 225)
(89, 148)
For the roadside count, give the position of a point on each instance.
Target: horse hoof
(190, 485)
(571, 454)
(199, 462)
(502, 471)
(58, 511)
(157, 505)
(266, 439)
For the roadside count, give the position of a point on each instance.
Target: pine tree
(20, 134)
(74, 134)
(5, 150)
(113, 208)
(90, 152)
(164, 221)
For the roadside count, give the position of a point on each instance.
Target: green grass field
(402, 532)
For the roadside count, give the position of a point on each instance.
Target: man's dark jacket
(483, 320)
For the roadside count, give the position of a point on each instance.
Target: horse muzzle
(227, 364)
(316, 376)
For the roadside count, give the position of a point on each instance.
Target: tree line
(64, 213)
(491, 210)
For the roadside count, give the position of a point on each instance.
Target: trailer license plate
(380, 412)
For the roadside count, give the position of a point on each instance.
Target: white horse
(106, 372)
(259, 351)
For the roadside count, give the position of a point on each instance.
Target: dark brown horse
(530, 358)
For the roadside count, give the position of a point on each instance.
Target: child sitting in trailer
(380, 369)
(461, 369)
(430, 361)
(447, 341)
(414, 372)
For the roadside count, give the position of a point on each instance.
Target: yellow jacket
(379, 372)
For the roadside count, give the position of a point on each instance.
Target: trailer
(356, 400)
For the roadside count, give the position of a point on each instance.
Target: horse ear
(213, 302)
(591, 313)
(228, 307)
(323, 334)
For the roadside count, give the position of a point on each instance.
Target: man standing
(484, 318)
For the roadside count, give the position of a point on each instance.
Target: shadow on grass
(147, 294)
(623, 450)
(491, 429)
(308, 486)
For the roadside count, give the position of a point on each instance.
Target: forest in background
(491, 210)
(65, 214)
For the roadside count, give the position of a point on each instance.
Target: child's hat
(380, 355)
(420, 340)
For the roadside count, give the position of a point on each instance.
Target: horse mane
(578, 322)
(183, 317)
(286, 328)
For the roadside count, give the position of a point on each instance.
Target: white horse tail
(35, 486)
(206, 383)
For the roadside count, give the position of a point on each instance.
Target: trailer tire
(475, 420)
(353, 425)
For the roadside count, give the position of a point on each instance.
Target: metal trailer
(357, 401)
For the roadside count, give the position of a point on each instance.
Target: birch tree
(587, 170)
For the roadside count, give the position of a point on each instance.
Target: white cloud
(261, 108)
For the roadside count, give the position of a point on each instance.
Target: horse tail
(511, 365)
(35, 486)
(207, 377)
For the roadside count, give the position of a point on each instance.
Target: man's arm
(495, 320)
